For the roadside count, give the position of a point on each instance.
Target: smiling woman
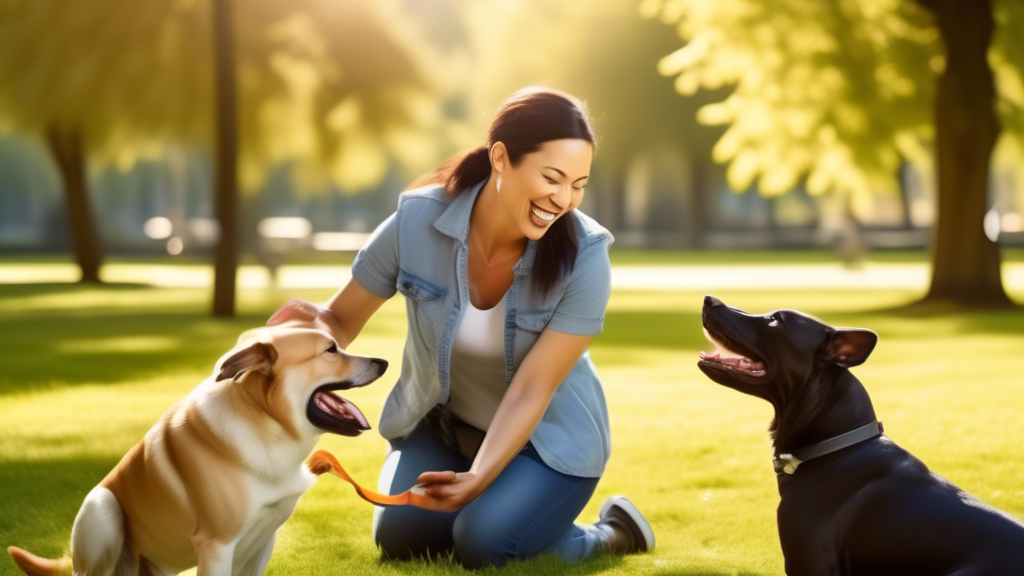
(498, 415)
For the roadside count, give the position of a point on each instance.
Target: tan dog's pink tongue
(322, 461)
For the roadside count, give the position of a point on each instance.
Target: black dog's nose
(710, 301)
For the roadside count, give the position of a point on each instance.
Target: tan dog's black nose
(710, 301)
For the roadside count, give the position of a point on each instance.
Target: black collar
(787, 463)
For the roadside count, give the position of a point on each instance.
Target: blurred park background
(172, 171)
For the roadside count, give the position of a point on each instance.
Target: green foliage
(124, 74)
(336, 88)
(1007, 60)
(837, 93)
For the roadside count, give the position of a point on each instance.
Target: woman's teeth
(542, 214)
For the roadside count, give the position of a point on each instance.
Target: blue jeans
(529, 509)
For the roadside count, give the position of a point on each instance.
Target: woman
(505, 285)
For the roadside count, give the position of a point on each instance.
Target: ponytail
(459, 172)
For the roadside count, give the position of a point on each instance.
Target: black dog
(853, 502)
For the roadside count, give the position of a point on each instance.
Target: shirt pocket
(529, 325)
(533, 320)
(426, 307)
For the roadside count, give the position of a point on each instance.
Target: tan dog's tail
(35, 566)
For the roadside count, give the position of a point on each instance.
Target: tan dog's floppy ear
(258, 356)
(851, 346)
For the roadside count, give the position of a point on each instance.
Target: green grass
(87, 370)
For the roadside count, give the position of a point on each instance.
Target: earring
(497, 185)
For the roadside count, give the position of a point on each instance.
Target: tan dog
(213, 480)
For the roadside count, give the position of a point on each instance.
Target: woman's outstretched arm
(374, 273)
(343, 315)
(545, 367)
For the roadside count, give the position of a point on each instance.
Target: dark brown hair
(525, 121)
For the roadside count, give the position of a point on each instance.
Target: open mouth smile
(544, 216)
(332, 413)
(728, 359)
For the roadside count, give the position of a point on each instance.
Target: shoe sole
(634, 514)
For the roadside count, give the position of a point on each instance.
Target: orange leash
(322, 461)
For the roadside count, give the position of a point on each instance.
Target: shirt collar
(454, 222)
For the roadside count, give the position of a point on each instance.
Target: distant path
(624, 277)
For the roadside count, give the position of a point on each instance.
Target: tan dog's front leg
(259, 562)
(215, 557)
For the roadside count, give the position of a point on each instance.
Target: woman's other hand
(447, 491)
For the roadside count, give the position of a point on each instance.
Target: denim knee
(403, 532)
(387, 534)
(483, 540)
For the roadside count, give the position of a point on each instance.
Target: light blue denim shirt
(421, 251)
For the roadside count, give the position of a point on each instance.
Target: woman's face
(545, 184)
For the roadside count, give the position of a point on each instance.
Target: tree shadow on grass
(47, 288)
(41, 498)
(926, 323)
(943, 307)
(544, 564)
(112, 333)
(668, 330)
(704, 572)
(95, 348)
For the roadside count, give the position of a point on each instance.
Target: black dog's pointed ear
(258, 357)
(851, 346)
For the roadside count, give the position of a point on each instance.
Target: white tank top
(477, 382)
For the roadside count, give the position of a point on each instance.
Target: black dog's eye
(772, 321)
(333, 349)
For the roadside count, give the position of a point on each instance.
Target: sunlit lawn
(85, 371)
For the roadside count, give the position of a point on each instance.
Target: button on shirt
(422, 251)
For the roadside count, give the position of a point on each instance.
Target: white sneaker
(618, 510)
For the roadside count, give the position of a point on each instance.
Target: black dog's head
(772, 356)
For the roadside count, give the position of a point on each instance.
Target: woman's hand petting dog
(447, 491)
(307, 313)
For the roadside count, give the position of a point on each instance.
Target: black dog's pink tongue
(340, 408)
(745, 364)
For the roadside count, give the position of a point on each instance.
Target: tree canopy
(338, 89)
(834, 94)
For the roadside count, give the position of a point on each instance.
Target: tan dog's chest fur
(222, 470)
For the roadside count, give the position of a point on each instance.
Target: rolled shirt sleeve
(581, 309)
(376, 264)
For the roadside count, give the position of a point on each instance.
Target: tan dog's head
(289, 372)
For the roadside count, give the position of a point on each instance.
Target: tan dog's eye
(333, 349)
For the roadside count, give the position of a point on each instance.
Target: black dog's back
(879, 510)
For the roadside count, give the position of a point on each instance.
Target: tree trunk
(68, 150)
(695, 198)
(226, 254)
(965, 263)
(907, 223)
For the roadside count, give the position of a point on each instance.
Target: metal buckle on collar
(786, 463)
